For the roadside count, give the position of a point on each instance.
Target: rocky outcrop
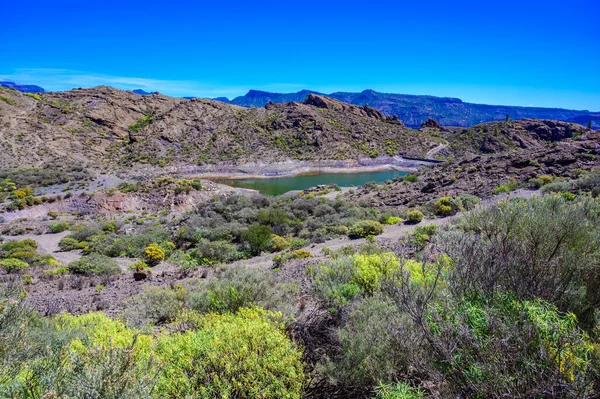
(480, 174)
(430, 123)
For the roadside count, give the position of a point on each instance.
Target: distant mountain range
(414, 110)
(22, 88)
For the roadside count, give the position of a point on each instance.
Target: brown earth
(107, 129)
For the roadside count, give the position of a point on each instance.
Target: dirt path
(434, 151)
(48, 244)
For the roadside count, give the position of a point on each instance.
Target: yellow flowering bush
(153, 254)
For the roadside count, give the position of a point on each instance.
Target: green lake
(283, 184)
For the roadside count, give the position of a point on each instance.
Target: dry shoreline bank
(298, 168)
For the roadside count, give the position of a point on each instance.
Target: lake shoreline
(297, 173)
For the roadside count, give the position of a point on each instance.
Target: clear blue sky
(542, 53)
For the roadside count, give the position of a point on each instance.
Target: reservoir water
(281, 185)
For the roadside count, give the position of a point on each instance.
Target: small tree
(590, 124)
(507, 118)
(257, 237)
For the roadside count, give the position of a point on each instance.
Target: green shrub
(339, 280)
(393, 220)
(369, 270)
(257, 237)
(153, 254)
(185, 261)
(512, 185)
(568, 196)
(376, 345)
(411, 178)
(154, 306)
(53, 215)
(540, 181)
(297, 243)
(365, 228)
(95, 264)
(128, 187)
(238, 287)
(13, 265)
(68, 243)
(493, 337)
(540, 247)
(212, 253)
(399, 390)
(59, 271)
(242, 355)
(557, 187)
(414, 216)
(468, 201)
(278, 243)
(447, 206)
(58, 227)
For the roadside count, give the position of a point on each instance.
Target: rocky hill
(481, 173)
(107, 129)
(499, 137)
(413, 110)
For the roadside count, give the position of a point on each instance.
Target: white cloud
(66, 79)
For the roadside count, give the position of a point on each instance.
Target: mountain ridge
(413, 109)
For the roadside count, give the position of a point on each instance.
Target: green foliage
(244, 355)
(411, 178)
(257, 237)
(235, 288)
(154, 306)
(421, 236)
(59, 271)
(13, 265)
(49, 174)
(95, 264)
(512, 185)
(24, 250)
(68, 244)
(53, 215)
(541, 247)
(375, 346)
(399, 390)
(339, 280)
(414, 216)
(34, 96)
(128, 187)
(446, 206)
(59, 227)
(369, 270)
(211, 253)
(141, 123)
(365, 228)
(392, 220)
(8, 100)
(555, 351)
(70, 357)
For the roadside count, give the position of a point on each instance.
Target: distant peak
(141, 92)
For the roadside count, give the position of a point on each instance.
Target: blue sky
(542, 53)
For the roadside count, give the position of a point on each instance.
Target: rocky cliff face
(106, 128)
